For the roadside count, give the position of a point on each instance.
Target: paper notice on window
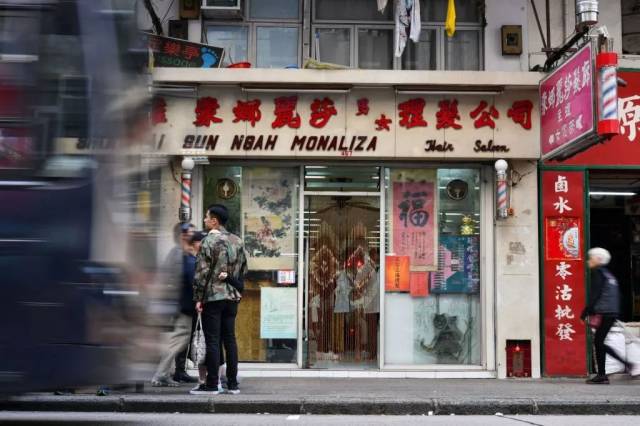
(278, 313)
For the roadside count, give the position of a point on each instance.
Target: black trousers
(219, 325)
(601, 349)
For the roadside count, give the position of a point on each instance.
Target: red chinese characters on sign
(520, 113)
(172, 48)
(448, 114)
(321, 112)
(484, 118)
(285, 112)
(363, 106)
(410, 113)
(158, 111)
(190, 52)
(206, 109)
(247, 111)
(564, 287)
(382, 123)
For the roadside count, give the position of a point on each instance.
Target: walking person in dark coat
(604, 305)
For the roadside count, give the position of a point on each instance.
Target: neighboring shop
(600, 208)
(368, 216)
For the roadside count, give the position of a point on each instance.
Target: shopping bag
(198, 349)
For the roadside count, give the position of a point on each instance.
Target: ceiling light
(619, 193)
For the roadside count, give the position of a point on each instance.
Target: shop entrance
(342, 248)
(615, 225)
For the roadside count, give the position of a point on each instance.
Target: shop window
(422, 55)
(432, 267)
(630, 26)
(262, 203)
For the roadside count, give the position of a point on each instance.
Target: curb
(438, 406)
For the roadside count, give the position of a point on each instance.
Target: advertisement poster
(563, 238)
(413, 223)
(267, 201)
(278, 313)
(419, 284)
(565, 340)
(567, 103)
(397, 273)
(459, 266)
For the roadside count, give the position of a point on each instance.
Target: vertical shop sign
(564, 280)
(567, 104)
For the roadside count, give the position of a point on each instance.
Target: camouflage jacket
(221, 251)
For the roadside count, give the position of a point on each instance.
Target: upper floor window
(355, 34)
(631, 27)
(351, 33)
(268, 36)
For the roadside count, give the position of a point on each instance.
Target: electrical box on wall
(512, 39)
(518, 358)
(222, 9)
(189, 9)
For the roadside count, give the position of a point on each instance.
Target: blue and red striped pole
(608, 120)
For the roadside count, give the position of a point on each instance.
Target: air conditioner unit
(222, 9)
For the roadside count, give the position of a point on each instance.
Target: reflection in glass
(375, 49)
(462, 51)
(333, 45)
(234, 40)
(274, 9)
(277, 47)
(421, 55)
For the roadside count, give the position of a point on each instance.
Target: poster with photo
(563, 238)
(414, 230)
(459, 267)
(269, 217)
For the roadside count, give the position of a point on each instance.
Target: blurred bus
(67, 299)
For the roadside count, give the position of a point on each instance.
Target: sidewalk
(363, 396)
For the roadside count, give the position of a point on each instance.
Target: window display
(262, 210)
(433, 218)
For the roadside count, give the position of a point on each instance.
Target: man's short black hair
(220, 212)
(181, 228)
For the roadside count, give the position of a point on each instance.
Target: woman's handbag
(198, 349)
(594, 320)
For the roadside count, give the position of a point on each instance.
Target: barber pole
(502, 208)
(184, 213)
(608, 121)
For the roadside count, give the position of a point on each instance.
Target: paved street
(26, 418)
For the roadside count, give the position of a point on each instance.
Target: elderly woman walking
(602, 310)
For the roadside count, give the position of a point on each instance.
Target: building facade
(366, 196)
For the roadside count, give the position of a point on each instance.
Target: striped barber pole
(608, 122)
(185, 200)
(502, 196)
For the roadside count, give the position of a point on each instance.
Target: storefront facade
(600, 186)
(367, 209)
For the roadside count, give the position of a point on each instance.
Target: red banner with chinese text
(564, 280)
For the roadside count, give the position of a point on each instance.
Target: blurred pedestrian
(220, 271)
(181, 334)
(602, 310)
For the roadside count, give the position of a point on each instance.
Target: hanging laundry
(382, 4)
(401, 26)
(450, 23)
(415, 21)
